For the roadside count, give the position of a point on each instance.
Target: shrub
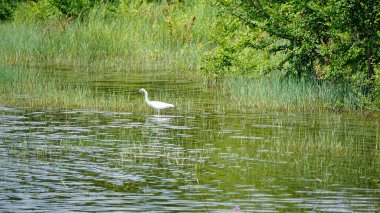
(7, 8)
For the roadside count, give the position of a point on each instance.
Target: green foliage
(328, 40)
(71, 8)
(237, 52)
(34, 12)
(78, 8)
(55, 10)
(7, 8)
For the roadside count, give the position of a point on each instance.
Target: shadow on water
(83, 160)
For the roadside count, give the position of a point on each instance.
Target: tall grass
(274, 93)
(133, 35)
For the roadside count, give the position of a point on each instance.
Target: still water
(210, 160)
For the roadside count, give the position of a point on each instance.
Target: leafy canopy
(327, 40)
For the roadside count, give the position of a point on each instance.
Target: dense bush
(324, 40)
(7, 8)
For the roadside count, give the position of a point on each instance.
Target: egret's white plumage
(158, 105)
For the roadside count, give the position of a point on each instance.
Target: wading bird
(155, 104)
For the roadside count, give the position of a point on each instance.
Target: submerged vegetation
(252, 60)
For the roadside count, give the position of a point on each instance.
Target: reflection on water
(78, 160)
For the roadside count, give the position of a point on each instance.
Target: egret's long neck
(146, 97)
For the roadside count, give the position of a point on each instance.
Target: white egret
(155, 104)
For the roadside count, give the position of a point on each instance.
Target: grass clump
(275, 93)
(117, 36)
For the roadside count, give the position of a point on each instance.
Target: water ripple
(82, 160)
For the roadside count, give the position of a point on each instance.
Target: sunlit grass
(138, 36)
(274, 93)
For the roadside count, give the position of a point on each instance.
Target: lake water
(203, 159)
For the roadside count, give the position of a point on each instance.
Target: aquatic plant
(276, 93)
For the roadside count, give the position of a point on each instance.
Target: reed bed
(274, 93)
(136, 35)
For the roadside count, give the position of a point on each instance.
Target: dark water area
(64, 160)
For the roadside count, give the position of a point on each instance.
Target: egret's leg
(158, 112)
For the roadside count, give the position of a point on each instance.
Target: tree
(336, 40)
(355, 27)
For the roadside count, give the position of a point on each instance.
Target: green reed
(274, 93)
(136, 35)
